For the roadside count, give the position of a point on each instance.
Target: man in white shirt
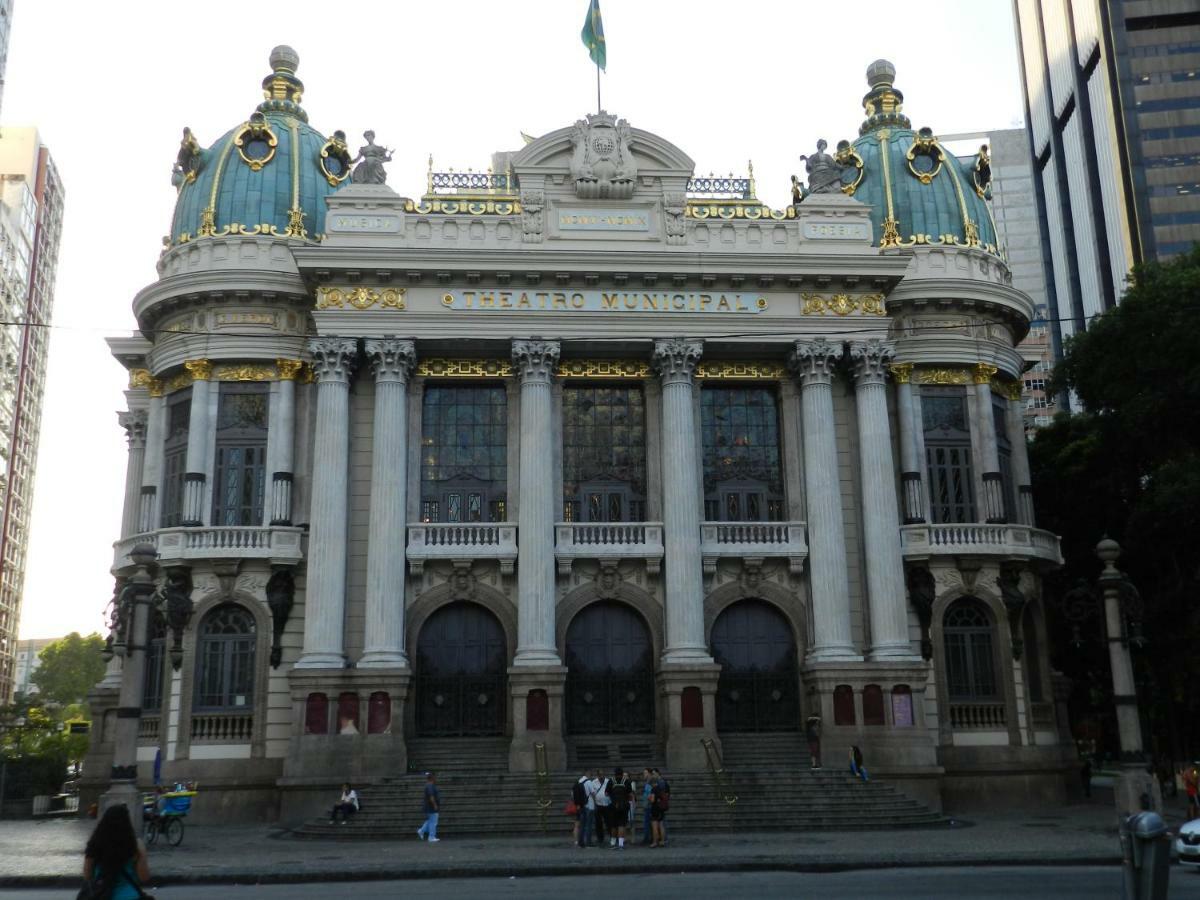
(603, 808)
(589, 818)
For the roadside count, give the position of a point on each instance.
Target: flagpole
(597, 88)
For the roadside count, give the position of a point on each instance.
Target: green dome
(269, 175)
(918, 192)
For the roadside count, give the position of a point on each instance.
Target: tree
(69, 668)
(1129, 467)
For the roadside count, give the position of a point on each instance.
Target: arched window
(225, 659)
(970, 658)
(152, 681)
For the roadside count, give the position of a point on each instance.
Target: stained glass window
(604, 454)
(464, 453)
(225, 659)
(970, 662)
(743, 472)
(179, 411)
(241, 463)
(948, 454)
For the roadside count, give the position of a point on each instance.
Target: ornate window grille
(241, 465)
(152, 685)
(948, 454)
(225, 660)
(743, 472)
(970, 656)
(179, 411)
(464, 454)
(604, 454)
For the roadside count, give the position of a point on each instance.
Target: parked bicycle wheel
(174, 831)
(150, 831)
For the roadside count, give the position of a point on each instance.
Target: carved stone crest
(922, 591)
(674, 207)
(608, 580)
(175, 602)
(532, 205)
(281, 590)
(602, 165)
(462, 582)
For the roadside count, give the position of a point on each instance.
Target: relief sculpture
(602, 165)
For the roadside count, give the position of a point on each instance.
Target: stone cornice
(212, 285)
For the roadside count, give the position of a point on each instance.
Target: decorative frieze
(842, 304)
(329, 297)
(737, 370)
(465, 368)
(603, 368)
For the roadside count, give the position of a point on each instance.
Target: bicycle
(168, 821)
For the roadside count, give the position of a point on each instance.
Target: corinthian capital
(871, 359)
(676, 359)
(392, 359)
(199, 369)
(333, 358)
(813, 362)
(535, 360)
(134, 423)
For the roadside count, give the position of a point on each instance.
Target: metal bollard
(1146, 856)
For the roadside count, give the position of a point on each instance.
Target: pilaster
(285, 442)
(524, 683)
(910, 455)
(993, 486)
(134, 422)
(196, 474)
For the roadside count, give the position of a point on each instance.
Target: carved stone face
(609, 579)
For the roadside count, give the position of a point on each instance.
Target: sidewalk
(50, 852)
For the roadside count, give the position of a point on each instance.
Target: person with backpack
(621, 792)
(660, 798)
(579, 797)
(603, 810)
(115, 865)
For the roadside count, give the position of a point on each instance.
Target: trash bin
(1147, 856)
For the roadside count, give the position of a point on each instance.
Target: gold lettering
(468, 296)
(542, 297)
(578, 300)
(678, 302)
(560, 300)
(523, 301)
(631, 301)
(738, 300)
(609, 301)
(505, 300)
(705, 299)
(488, 300)
(650, 301)
(723, 303)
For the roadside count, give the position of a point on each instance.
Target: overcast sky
(111, 85)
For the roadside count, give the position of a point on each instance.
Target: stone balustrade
(148, 729)
(608, 541)
(279, 543)
(978, 716)
(461, 541)
(974, 539)
(222, 728)
(756, 540)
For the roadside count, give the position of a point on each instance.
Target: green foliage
(36, 748)
(69, 668)
(1129, 467)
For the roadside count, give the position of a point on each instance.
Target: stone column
(197, 450)
(993, 484)
(152, 466)
(285, 451)
(1014, 420)
(383, 647)
(325, 596)
(134, 422)
(813, 362)
(675, 361)
(881, 513)
(535, 361)
(910, 456)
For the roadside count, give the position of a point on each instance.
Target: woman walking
(114, 862)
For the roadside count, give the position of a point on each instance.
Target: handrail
(717, 771)
(541, 774)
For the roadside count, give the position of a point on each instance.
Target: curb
(518, 871)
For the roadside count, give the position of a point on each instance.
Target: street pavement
(1030, 883)
(49, 853)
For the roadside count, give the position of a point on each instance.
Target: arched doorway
(759, 686)
(460, 678)
(610, 672)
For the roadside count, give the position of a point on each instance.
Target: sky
(111, 86)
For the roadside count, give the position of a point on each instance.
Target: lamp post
(133, 616)
(1136, 789)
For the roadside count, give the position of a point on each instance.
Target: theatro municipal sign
(604, 301)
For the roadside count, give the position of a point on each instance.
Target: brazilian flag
(593, 34)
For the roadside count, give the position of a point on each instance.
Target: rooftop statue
(601, 162)
(370, 169)
(187, 162)
(824, 172)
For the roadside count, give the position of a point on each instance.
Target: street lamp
(133, 615)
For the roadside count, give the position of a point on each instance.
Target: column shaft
(152, 466)
(134, 423)
(535, 361)
(383, 644)
(813, 362)
(910, 457)
(198, 439)
(881, 513)
(993, 486)
(325, 595)
(285, 423)
(676, 362)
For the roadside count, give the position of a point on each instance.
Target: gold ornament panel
(842, 304)
(330, 297)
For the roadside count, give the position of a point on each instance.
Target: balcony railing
(461, 541)
(973, 539)
(278, 543)
(978, 716)
(222, 728)
(148, 729)
(755, 540)
(608, 541)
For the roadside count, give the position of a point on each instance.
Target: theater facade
(581, 459)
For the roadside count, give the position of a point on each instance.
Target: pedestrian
(1085, 775)
(431, 805)
(580, 798)
(114, 862)
(857, 768)
(589, 820)
(604, 811)
(812, 733)
(621, 793)
(660, 798)
(1191, 785)
(647, 805)
(347, 805)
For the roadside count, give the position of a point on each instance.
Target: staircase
(459, 755)
(768, 773)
